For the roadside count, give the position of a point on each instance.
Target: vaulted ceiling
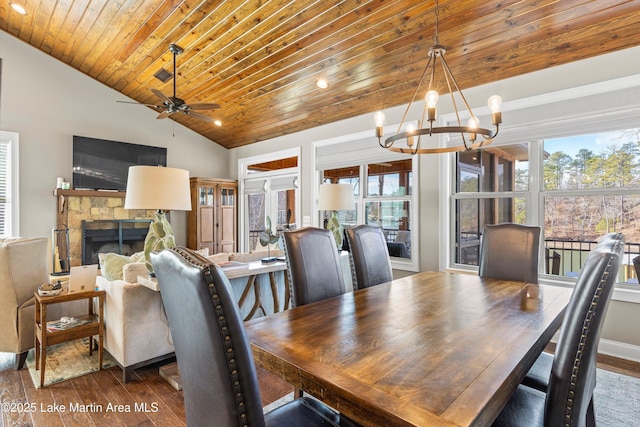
(260, 59)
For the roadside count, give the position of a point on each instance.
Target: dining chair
(568, 400)
(219, 378)
(538, 375)
(313, 265)
(509, 251)
(368, 256)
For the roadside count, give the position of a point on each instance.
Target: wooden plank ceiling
(260, 59)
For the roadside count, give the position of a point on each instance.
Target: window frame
(579, 115)
(371, 155)
(11, 139)
(267, 176)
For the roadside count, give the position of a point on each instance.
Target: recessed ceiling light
(217, 123)
(322, 84)
(18, 8)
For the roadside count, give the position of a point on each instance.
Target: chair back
(509, 251)
(573, 375)
(313, 265)
(636, 266)
(214, 358)
(369, 256)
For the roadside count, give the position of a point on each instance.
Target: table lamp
(335, 197)
(163, 189)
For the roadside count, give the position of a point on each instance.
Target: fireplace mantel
(89, 193)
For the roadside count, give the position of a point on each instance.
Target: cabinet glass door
(228, 196)
(205, 196)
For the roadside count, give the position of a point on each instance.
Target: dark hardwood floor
(148, 400)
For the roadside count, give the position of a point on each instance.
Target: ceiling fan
(172, 104)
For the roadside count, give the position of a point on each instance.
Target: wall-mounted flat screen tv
(99, 164)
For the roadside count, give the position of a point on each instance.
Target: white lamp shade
(157, 187)
(335, 197)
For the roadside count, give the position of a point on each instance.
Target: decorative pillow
(137, 257)
(111, 265)
(130, 272)
(204, 252)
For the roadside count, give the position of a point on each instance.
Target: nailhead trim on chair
(586, 328)
(203, 264)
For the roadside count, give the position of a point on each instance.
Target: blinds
(259, 186)
(284, 183)
(255, 186)
(355, 152)
(5, 188)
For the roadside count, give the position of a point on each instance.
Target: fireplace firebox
(124, 236)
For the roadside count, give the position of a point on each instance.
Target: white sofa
(136, 328)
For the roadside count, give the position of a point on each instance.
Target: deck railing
(571, 255)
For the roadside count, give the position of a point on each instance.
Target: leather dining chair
(568, 400)
(538, 375)
(509, 251)
(313, 265)
(368, 256)
(217, 370)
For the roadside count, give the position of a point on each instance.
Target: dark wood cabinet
(212, 221)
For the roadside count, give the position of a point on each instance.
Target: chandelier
(412, 135)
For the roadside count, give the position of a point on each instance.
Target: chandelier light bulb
(472, 125)
(495, 102)
(431, 98)
(379, 119)
(410, 129)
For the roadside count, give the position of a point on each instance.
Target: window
(8, 187)
(269, 186)
(591, 187)
(385, 201)
(587, 186)
(491, 187)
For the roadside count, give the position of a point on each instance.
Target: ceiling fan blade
(162, 96)
(138, 103)
(165, 114)
(199, 116)
(204, 106)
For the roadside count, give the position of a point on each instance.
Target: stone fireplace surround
(75, 206)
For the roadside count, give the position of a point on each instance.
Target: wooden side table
(45, 337)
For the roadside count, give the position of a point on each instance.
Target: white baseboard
(620, 350)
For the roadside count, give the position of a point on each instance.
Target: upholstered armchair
(23, 267)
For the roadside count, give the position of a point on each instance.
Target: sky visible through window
(571, 145)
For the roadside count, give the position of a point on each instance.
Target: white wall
(47, 102)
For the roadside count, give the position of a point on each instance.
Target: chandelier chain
(435, 31)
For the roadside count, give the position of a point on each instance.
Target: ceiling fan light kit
(172, 104)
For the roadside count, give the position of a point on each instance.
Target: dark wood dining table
(434, 348)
